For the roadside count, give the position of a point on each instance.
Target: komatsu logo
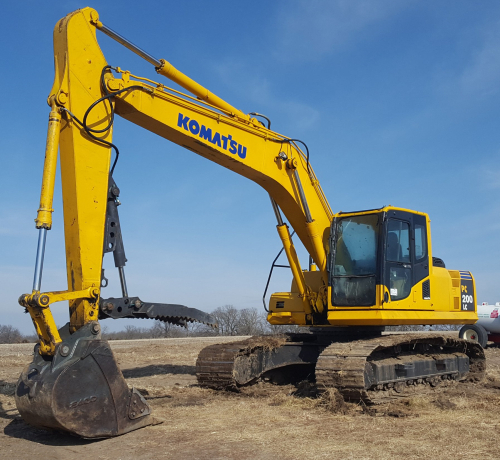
(225, 142)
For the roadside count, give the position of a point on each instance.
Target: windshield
(356, 246)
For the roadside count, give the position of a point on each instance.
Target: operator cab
(385, 247)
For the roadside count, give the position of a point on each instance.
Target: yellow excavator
(367, 269)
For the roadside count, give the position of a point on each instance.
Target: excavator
(367, 269)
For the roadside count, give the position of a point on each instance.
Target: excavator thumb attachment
(133, 307)
(80, 389)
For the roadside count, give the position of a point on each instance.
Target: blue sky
(398, 102)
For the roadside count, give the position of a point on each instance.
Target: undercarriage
(367, 367)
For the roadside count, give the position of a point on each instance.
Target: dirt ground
(263, 421)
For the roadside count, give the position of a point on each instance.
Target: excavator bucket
(80, 389)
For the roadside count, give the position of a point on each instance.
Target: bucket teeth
(80, 390)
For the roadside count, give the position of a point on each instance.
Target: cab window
(398, 241)
(420, 242)
(398, 258)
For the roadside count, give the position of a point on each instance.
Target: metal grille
(426, 290)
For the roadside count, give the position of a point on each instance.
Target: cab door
(406, 255)
(398, 267)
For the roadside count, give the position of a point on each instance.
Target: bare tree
(250, 322)
(227, 317)
(131, 332)
(167, 330)
(9, 334)
(157, 331)
(200, 330)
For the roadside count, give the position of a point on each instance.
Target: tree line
(231, 321)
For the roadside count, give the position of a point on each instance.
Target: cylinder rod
(276, 210)
(302, 196)
(40, 252)
(168, 70)
(123, 282)
(127, 44)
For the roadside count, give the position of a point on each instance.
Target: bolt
(95, 328)
(113, 85)
(142, 410)
(64, 350)
(44, 300)
(133, 414)
(137, 303)
(62, 98)
(292, 163)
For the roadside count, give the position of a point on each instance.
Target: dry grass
(265, 421)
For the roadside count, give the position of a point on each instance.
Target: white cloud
(482, 76)
(489, 175)
(309, 29)
(242, 77)
(478, 77)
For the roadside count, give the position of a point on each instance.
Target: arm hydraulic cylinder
(293, 260)
(44, 217)
(168, 70)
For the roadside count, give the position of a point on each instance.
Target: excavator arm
(86, 95)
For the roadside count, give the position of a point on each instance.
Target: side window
(398, 241)
(398, 250)
(420, 242)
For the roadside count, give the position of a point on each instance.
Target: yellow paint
(44, 217)
(266, 160)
